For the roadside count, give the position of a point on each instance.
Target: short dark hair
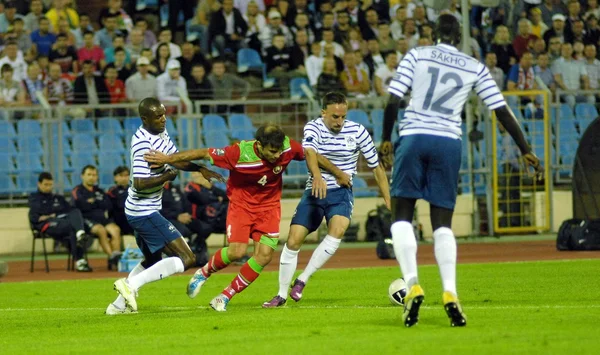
(146, 105)
(120, 169)
(89, 166)
(88, 62)
(88, 32)
(61, 35)
(333, 98)
(42, 18)
(45, 176)
(448, 29)
(270, 134)
(119, 49)
(18, 19)
(6, 68)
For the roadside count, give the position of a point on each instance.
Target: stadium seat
(83, 125)
(566, 112)
(517, 112)
(583, 125)
(359, 116)
(110, 161)
(213, 123)
(240, 121)
(242, 134)
(84, 142)
(567, 130)
(250, 59)
(296, 173)
(585, 111)
(109, 125)
(7, 129)
(189, 138)
(131, 124)
(111, 143)
(216, 140)
(66, 131)
(377, 117)
(7, 145)
(30, 144)
(27, 182)
(171, 128)
(6, 163)
(66, 146)
(296, 91)
(79, 159)
(6, 184)
(29, 162)
(361, 189)
(28, 127)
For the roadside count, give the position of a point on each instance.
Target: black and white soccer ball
(397, 291)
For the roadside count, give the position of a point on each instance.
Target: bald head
(152, 113)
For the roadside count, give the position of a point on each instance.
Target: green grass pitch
(512, 308)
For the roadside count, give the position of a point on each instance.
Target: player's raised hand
(156, 158)
(533, 161)
(209, 174)
(386, 154)
(319, 187)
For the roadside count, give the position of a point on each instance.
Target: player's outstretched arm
(382, 181)
(390, 115)
(150, 182)
(159, 158)
(341, 177)
(319, 186)
(510, 123)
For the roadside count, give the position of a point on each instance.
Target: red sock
(218, 261)
(249, 272)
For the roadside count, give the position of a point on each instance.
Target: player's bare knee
(294, 242)
(264, 257)
(236, 251)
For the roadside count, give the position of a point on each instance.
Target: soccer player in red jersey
(254, 191)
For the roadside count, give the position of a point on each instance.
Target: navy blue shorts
(311, 210)
(426, 167)
(153, 231)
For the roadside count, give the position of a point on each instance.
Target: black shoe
(82, 266)
(85, 241)
(113, 262)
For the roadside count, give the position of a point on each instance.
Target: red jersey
(255, 184)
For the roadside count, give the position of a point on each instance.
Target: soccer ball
(397, 291)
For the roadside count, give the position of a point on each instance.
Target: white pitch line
(310, 307)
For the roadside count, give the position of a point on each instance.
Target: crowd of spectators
(48, 46)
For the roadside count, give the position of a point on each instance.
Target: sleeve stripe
(492, 95)
(412, 55)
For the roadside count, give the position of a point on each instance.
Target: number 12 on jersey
(437, 105)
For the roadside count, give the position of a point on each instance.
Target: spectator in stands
(521, 78)
(353, 9)
(549, 9)
(109, 53)
(314, 64)
(325, 7)
(256, 22)
(199, 87)
(224, 84)
(419, 15)
(64, 55)
(411, 33)
(227, 29)
(161, 57)
(189, 57)
(60, 10)
(299, 53)
(355, 81)
(124, 22)
(592, 30)
(123, 69)
(89, 88)
(175, 7)
(84, 26)
(522, 40)
(330, 53)
(592, 66)
(8, 16)
(277, 61)
(141, 84)
(118, 195)
(19, 36)
(496, 73)
(386, 42)
(274, 26)
(538, 47)
(342, 27)
(299, 7)
(374, 59)
(554, 49)
(168, 82)
(355, 41)
(32, 19)
(578, 48)
(199, 24)
(558, 30)
(383, 75)
(95, 207)
(59, 90)
(135, 44)
(501, 45)
(327, 36)
(301, 24)
(328, 24)
(329, 79)
(42, 38)
(592, 10)
(33, 84)
(116, 87)
(91, 51)
(401, 48)
(398, 22)
(165, 36)
(149, 37)
(538, 27)
(104, 38)
(11, 91)
(368, 24)
(63, 28)
(578, 33)
(574, 14)
(542, 70)
(51, 214)
(11, 57)
(570, 74)
(149, 54)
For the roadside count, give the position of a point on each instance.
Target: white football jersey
(441, 79)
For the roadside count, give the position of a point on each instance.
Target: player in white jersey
(332, 143)
(154, 234)
(428, 153)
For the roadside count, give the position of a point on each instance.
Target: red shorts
(242, 225)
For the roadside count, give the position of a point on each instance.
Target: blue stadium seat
(109, 125)
(6, 163)
(242, 134)
(83, 125)
(585, 111)
(296, 91)
(377, 117)
(66, 146)
(171, 129)
(79, 159)
(534, 127)
(131, 124)
(30, 144)
(189, 129)
(517, 112)
(567, 129)
(296, 173)
(240, 121)
(359, 116)
(361, 189)
(28, 127)
(29, 162)
(214, 123)
(105, 179)
(84, 142)
(6, 184)
(66, 131)
(110, 160)
(216, 140)
(111, 143)
(7, 129)
(26, 182)
(566, 112)
(248, 59)
(7, 145)
(583, 125)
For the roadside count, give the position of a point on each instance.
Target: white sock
(164, 268)
(405, 248)
(120, 301)
(324, 251)
(287, 267)
(445, 254)
(79, 234)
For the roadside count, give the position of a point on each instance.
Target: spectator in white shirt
(11, 57)
(168, 82)
(165, 36)
(384, 74)
(314, 64)
(491, 62)
(592, 66)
